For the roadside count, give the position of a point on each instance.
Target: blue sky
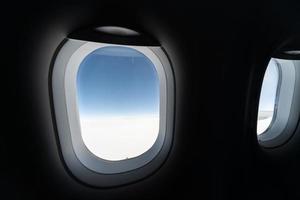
(269, 88)
(117, 81)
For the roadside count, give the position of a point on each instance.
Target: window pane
(267, 99)
(118, 99)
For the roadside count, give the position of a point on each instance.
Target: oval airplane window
(118, 102)
(114, 107)
(279, 106)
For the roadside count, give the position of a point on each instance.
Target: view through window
(118, 102)
(267, 101)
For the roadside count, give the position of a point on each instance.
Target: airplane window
(118, 100)
(113, 106)
(267, 99)
(279, 106)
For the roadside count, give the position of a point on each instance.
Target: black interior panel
(219, 51)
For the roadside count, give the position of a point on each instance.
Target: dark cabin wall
(219, 51)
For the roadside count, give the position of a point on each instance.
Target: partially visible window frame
(278, 85)
(287, 106)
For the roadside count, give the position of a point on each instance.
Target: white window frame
(287, 105)
(82, 163)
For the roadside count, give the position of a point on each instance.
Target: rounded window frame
(83, 164)
(287, 106)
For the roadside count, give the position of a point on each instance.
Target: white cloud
(263, 124)
(118, 138)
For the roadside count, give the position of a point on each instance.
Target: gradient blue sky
(117, 81)
(269, 87)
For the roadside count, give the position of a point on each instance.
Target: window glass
(267, 101)
(118, 102)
